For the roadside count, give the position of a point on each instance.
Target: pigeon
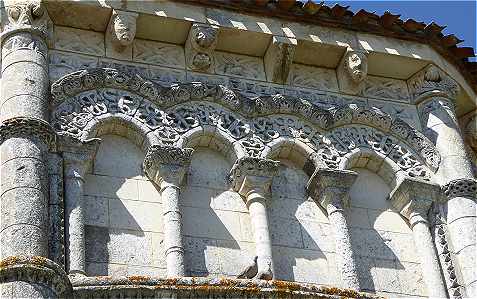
(251, 270)
(265, 274)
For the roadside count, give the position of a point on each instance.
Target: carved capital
(167, 164)
(461, 188)
(278, 58)
(38, 270)
(200, 46)
(26, 15)
(331, 186)
(122, 28)
(250, 174)
(27, 127)
(413, 198)
(77, 154)
(469, 128)
(432, 82)
(352, 71)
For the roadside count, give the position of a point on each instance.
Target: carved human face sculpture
(357, 66)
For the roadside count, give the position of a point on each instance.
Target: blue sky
(459, 16)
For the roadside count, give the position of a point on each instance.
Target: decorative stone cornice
(329, 186)
(28, 127)
(460, 188)
(412, 198)
(26, 15)
(164, 163)
(249, 174)
(122, 28)
(199, 47)
(203, 287)
(279, 58)
(36, 269)
(432, 82)
(352, 71)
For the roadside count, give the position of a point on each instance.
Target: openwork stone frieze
(28, 127)
(36, 269)
(461, 188)
(85, 98)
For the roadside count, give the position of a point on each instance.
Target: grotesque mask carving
(123, 28)
(357, 66)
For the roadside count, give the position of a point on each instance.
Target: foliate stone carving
(27, 127)
(352, 71)
(253, 122)
(166, 163)
(278, 58)
(313, 77)
(122, 27)
(253, 167)
(77, 154)
(36, 269)
(200, 46)
(330, 186)
(461, 188)
(65, 63)
(413, 197)
(239, 65)
(386, 88)
(79, 41)
(27, 15)
(164, 54)
(431, 80)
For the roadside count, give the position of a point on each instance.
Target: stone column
(330, 189)
(166, 166)
(252, 178)
(413, 198)
(78, 157)
(435, 94)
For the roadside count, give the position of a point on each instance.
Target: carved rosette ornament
(122, 28)
(200, 46)
(353, 71)
(27, 127)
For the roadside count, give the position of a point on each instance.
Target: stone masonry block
(23, 205)
(24, 172)
(135, 215)
(96, 210)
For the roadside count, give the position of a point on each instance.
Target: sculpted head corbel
(330, 187)
(253, 175)
(200, 46)
(412, 198)
(353, 71)
(26, 15)
(122, 28)
(78, 155)
(167, 165)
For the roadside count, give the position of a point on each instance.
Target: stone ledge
(199, 287)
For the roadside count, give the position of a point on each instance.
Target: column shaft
(75, 231)
(258, 214)
(344, 252)
(172, 230)
(429, 260)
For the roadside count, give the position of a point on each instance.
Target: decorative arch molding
(248, 126)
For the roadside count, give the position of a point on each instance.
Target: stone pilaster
(413, 198)
(166, 166)
(435, 93)
(252, 178)
(330, 189)
(78, 157)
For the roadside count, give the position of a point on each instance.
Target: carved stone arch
(254, 123)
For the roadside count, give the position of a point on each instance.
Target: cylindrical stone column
(412, 198)
(77, 156)
(252, 178)
(436, 98)
(167, 166)
(330, 189)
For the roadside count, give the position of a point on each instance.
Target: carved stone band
(36, 269)
(461, 188)
(28, 127)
